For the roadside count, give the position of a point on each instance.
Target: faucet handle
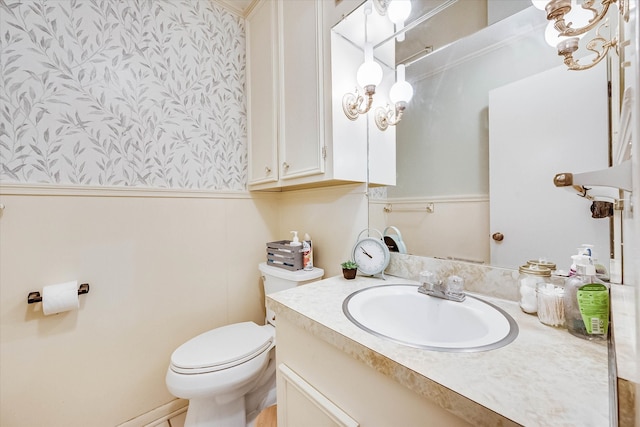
(428, 280)
(455, 285)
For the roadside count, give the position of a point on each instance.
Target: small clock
(371, 254)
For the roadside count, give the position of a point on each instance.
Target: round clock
(371, 254)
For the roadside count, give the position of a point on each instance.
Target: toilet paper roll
(59, 298)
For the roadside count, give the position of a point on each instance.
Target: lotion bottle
(307, 252)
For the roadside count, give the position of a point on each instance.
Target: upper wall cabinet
(262, 73)
(292, 140)
(302, 118)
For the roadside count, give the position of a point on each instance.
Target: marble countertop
(545, 377)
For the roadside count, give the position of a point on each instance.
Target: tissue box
(281, 254)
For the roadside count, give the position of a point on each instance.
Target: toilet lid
(221, 348)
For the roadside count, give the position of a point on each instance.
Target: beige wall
(162, 267)
(333, 217)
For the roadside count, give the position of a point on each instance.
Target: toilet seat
(222, 348)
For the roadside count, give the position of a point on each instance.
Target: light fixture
(400, 94)
(369, 76)
(599, 45)
(398, 12)
(557, 9)
(572, 21)
(577, 16)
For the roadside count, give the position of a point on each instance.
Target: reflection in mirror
(461, 147)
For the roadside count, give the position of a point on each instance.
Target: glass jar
(541, 262)
(528, 280)
(551, 304)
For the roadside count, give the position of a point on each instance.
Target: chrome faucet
(451, 290)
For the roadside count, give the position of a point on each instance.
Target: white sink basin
(401, 314)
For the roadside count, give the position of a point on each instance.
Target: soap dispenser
(586, 302)
(295, 241)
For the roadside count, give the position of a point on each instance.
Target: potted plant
(349, 269)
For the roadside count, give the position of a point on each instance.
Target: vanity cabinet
(318, 381)
(290, 111)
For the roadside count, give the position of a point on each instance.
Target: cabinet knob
(267, 170)
(285, 165)
(498, 237)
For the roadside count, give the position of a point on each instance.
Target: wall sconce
(399, 11)
(369, 76)
(564, 14)
(400, 94)
(557, 9)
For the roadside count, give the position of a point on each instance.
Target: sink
(399, 313)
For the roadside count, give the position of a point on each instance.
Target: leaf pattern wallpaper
(139, 93)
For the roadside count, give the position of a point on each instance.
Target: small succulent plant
(349, 265)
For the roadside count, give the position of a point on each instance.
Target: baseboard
(158, 415)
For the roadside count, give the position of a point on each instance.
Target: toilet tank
(276, 279)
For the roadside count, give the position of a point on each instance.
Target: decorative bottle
(307, 252)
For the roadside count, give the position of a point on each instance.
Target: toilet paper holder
(34, 297)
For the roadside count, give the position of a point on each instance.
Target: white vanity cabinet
(318, 384)
(290, 111)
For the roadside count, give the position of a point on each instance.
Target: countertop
(545, 377)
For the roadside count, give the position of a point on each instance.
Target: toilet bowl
(228, 373)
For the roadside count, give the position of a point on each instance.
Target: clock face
(371, 255)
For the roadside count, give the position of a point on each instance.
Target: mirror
(461, 147)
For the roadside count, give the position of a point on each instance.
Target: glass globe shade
(539, 4)
(401, 91)
(552, 36)
(399, 10)
(369, 73)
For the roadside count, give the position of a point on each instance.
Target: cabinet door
(262, 75)
(303, 405)
(301, 89)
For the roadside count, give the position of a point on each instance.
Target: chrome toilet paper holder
(34, 297)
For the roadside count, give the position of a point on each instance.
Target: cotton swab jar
(551, 304)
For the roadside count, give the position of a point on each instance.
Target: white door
(552, 122)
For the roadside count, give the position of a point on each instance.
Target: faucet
(449, 290)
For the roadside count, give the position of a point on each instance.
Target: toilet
(228, 374)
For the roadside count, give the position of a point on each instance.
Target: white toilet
(228, 373)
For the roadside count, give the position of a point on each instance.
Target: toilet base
(208, 413)
(261, 398)
(240, 411)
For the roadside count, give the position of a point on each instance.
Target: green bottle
(586, 303)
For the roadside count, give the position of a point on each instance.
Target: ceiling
(241, 7)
